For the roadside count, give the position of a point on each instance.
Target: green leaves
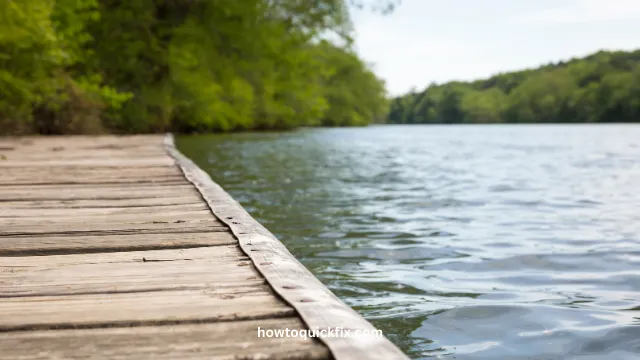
(44, 67)
(159, 65)
(354, 95)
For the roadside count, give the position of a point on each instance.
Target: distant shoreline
(601, 88)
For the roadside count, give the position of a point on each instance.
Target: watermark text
(317, 332)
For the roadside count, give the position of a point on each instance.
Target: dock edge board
(318, 307)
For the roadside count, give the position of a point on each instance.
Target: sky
(425, 41)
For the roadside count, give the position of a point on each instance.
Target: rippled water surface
(460, 242)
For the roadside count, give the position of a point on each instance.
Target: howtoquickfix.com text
(317, 332)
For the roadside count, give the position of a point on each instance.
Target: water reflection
(465, 242)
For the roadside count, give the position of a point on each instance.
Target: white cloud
(588, 11)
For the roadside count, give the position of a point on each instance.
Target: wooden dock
(122, 248)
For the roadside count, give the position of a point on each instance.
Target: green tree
(602, 87)
(355, 96)
(542, 98)
(486, 106)
(158, 65)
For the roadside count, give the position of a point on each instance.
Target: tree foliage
(73, 66)
(603, 87)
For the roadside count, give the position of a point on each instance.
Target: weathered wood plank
(77, 192)
(69, 226)
(81, 229)
(123, 219)
(318, 307)
(70, 151)
(66, 152)
(226, 253)
(142, 308)
(132, 162)
(79, 172)
(8, 212)
(220, 341)
(88, 175)
(84, 140)
(171, 282)
(156, 189)
(113, 180)
(85, 155)
(63, 205)
(94, 187)
(76, 172)
(109, 242)
(80, 143)
(140, 271)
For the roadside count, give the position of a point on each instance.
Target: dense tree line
(83, 66)
(603, 87)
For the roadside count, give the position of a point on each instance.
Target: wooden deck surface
(110, 248)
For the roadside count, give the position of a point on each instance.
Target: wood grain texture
(12, 211)
(142, 271)
(17, 193)
(141, 218)
(99, 203)
(225, 253)
(105, 151)
(68, 227)
(141, 308)
(318, 307)
(236, 340)
(70, 153)
(79, 143)
(139, 163)
(89, 175)
(109, 229)
(92, 242)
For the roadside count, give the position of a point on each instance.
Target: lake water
(459, 242)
